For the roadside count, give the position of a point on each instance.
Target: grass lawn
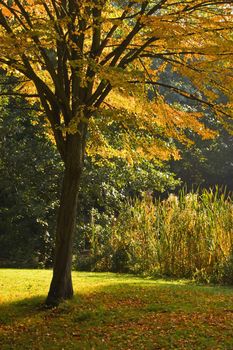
(111, 311)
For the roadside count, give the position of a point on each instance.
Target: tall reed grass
(189, 235)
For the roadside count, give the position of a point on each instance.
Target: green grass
(111, 311)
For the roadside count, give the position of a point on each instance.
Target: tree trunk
(61, 285)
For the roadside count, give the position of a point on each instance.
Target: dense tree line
(29, 171)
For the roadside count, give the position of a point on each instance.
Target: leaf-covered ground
(112, 311)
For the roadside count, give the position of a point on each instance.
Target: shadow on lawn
(147, 296)
(122, 313)
(16, 310)
(102, 296)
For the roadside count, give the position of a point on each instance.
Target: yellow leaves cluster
(145, 128)
(193, 36)
(176, 120)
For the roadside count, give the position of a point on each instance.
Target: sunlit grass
(113, 311)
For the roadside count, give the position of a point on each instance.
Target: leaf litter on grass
(119, 312)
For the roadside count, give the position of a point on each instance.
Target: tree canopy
(93, 60)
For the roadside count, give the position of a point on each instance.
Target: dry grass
(186, 236)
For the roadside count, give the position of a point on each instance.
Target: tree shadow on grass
(103, 296)
(106, 312)
(144, 295)
(13, 311)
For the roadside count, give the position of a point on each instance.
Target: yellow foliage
(103, 58)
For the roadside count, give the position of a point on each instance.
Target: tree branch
(182, 93)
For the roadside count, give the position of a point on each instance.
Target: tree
(29, 184)
(90, 65)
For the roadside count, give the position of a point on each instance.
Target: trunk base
(59, 291)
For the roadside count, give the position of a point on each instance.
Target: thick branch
(12, 93)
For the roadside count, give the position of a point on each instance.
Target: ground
(111, 311)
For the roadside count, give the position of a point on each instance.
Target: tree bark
(61, 285)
